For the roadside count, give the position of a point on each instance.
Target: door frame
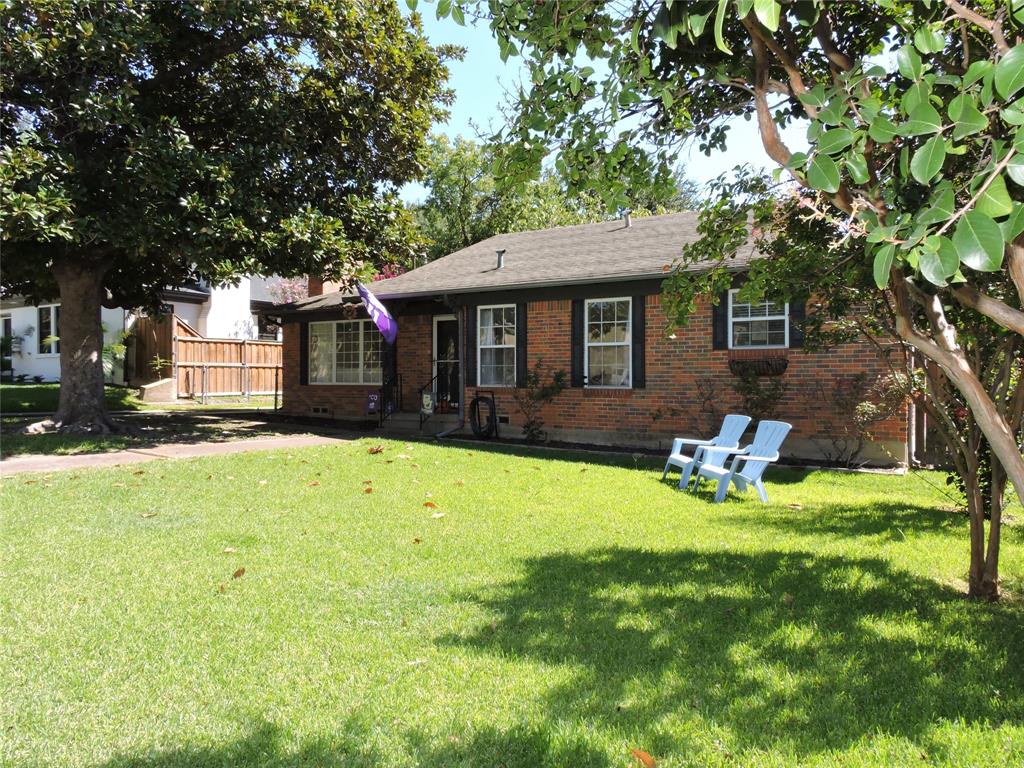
(433, 351)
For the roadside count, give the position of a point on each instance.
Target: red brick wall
(348, 401)
(677, 368)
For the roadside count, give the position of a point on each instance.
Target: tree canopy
(148, 143)
(466, 204)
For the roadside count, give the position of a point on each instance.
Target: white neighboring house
(228, 312)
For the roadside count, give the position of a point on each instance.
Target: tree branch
(992, 26)
(1009, 318)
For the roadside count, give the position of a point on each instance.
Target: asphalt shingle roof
(585, 253)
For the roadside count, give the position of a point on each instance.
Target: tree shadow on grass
(354, 743)
(798, 650)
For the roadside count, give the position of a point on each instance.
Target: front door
(446, 362)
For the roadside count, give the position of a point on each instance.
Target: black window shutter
(720, 322)
(796, 317)
(471, 341)
(303, 353)
(521, 367)
(639, 319)
(576, 376)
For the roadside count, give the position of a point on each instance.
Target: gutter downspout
(462, 379)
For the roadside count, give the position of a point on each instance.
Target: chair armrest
(679, 442)
(773, 457)
(720, 449)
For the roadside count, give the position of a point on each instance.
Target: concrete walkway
(18, 464)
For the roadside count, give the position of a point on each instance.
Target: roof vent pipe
(501, 257)
(625, 217)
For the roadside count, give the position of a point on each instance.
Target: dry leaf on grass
(460, 482)
(229, 550)
(414, 465)
(437, 515)
(221, 589)
(139, 472)
(795, 506)
(645, 759)
(149, 514)
(313, 483)
(263, 482)
(367, 482)
(403, 456)
(238, 574)
(787, 598)
(375, 449)
(430, 504)
(417, 540)
(368, 489)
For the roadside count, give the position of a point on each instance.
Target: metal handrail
(389, 403)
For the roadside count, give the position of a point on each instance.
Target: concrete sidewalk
(18, 464)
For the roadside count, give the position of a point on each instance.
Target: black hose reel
(483, 405)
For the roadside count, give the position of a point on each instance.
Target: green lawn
(550, 610)
(42, 398)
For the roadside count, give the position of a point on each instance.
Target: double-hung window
(496, 345)
(757, 325)
(609, 348)
(348, 352)
(49, 323)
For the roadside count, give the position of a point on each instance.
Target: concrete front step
(405, 423)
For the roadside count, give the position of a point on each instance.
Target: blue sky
(481, 81)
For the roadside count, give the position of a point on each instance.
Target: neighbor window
(49, 322)
(609, 343)
(348, 352)
(496, 342)
(759, 324)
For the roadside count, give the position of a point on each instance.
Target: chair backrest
(732, 430)
(767, 442)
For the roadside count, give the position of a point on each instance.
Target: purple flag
(385, 323)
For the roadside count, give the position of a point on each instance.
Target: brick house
(585, 300)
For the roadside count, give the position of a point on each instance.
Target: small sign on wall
(427, 406)
(372, 402)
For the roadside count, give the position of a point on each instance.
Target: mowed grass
(43, 398)
(485, 608)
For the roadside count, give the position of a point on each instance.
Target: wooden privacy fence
(202, 367)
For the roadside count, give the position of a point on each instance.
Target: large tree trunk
(81, 407)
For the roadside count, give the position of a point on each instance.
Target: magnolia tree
(145, 144)
(913, 113)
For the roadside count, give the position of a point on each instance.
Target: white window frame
(784, 316)
(334, 357)
(54, 330)
(587, 344)
(479, 346)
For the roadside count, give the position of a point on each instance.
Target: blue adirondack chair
(748, 464)
(728, 437)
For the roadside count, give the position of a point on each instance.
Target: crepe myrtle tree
(145, 144)
(749, 211)
(913, 113)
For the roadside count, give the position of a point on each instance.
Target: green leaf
(995, 200)
(814, 97)
(979, 242)
(1014, 225)
(797, 160)
(916, 95)
(966, 117)
(767, 12)
(1015, 169)
(882, 130)
(924, 119)
(823, 174)
(937, 264)
(458, 16)
(857, 165)
(927, 161)
(411, 4)
(883, 264)
(719, 25)
(976, 71)
(929, 39)
(444, 7)
(941, 209)
(835, 140)
(909, 62)
(1009, 77)
(697, 22)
